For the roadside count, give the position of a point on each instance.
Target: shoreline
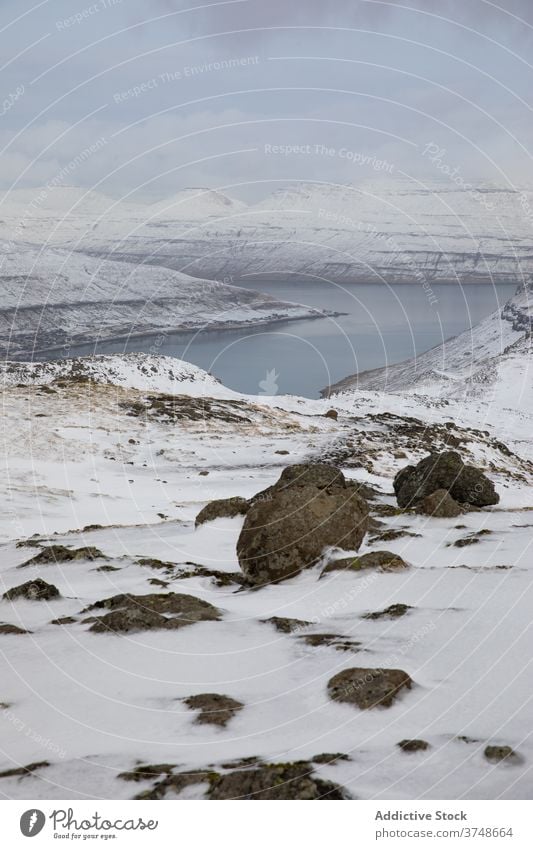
(165, 332)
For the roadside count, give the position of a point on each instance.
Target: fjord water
(378, 325)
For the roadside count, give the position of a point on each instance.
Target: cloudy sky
(247, 95)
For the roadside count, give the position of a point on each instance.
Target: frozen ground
(125, 444)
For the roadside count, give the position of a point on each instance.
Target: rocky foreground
(207, 595)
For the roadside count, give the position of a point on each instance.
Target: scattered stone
(154, 563)
(393, 534)
(8, 628)
(150, 612)
(36, 590)
(62, 554)
(368, 688)
(334, 641)
(311, 507)
(446, 470)
(285, 625)
(144, 772)
(495, 754)
(214, 708)
(282, 451)
(440, 504)
(34, 541)
(22, 771)
(223, 508)
(413, 745)
(329, 758)
(204, 473)
(332, 414)
(157, 583)
(220, 578)
(175, 783)
(394, 611)
(471, 539)
(384, 561)
(276, 782)
(107, 568)
(63, 620)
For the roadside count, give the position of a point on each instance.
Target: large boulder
(288, 527)
(466, 484)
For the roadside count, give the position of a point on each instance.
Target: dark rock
(7, 628)
(62, 554)
(175, 783)
(214, 708)
(440, 504)
(466, 484)
(107, 568)
(385, 561)
(394, 611)
(150, 612)
(154, 563)
(63, 620)
(495, 754)
(146, 771)
(22, 771)
(334, 641)
(332, 414)
(285, 625)
(471, 539)
(310, 508)
(36, 590)
(131, 619)
(413, 745)
(329, 758)
(368, 688)
(393, 534)
(223, 508)
(219, 578)
(276, 782)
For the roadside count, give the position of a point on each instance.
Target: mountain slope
(396, 230)
(118, 464)
(52, 297)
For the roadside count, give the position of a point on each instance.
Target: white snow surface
(94, 705)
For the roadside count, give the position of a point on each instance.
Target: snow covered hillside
(52, 297)
(112, 461)
(384, 229)
(483, 375)
(390, 229)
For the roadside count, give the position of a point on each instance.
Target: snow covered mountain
(54, 298)
(113, 459)
(390, 229)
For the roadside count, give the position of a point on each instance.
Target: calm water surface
(381, 325)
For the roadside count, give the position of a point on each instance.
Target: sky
(140, 100)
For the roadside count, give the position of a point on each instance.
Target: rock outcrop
(290, 524)
(444, 471)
